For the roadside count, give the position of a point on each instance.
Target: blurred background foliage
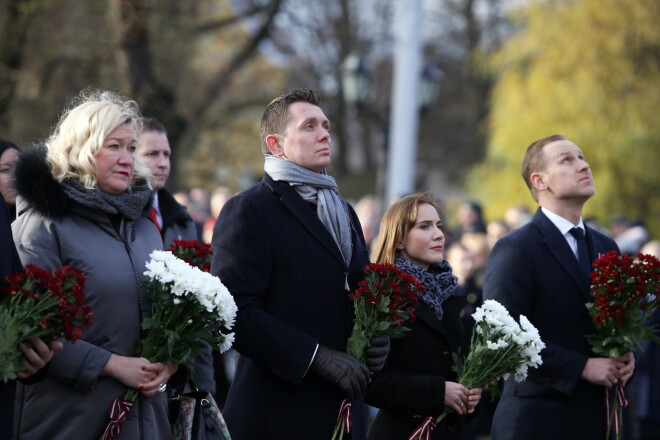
(588, 69)
(514, 71)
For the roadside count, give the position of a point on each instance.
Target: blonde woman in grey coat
(81, 199)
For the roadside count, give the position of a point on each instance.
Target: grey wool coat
(72, 399)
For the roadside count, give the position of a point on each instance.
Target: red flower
(194, 253)
(47, 305)
(411, 314)
(374, 300)
(382, 303)
(625, 291)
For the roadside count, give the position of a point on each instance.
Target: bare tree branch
(157, 99)
(12, 41)
(218, 24)
(222, 78)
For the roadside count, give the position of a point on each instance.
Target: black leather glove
(377, 354)
(341, 369)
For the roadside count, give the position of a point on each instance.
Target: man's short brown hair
(534, 160)
(277, 115)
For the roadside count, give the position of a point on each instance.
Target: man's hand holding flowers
(376, 354)
(609, 371)
(342, 369)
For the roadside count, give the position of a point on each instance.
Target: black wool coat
(533, 272)
(288, 279)
(412, 386)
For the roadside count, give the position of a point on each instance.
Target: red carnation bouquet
(626, 292)
(382, 302)
(193, 252)
(39, 303)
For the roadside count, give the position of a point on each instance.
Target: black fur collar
(35, 184)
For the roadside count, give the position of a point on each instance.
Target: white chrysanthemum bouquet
(499, 347)
(188, 305)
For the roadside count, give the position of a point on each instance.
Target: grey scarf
(320, 190)
(129, 205)
(439, 281)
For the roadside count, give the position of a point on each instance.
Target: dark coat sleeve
(243, 260)
(514, 278)
(9, 261)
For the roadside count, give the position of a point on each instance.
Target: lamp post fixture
(356, 86)
(429, 86)
(355, 78)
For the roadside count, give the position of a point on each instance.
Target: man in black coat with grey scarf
(290, 250)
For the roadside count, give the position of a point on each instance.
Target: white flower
(227, 341)
(502, 344)
(188, 283)
(521, 373)
(497, 345)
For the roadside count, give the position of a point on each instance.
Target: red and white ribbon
(117, 413)
(622, 403)
(424, 429)
(345, 413)
(621, 396)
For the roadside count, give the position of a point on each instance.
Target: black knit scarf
(439, 281)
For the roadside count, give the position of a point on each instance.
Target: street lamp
(429, 86)
(356, 77)
(356, 81)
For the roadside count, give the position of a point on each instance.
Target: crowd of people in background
(259, 247)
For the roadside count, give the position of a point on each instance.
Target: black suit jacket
(288, 279)
(533, 271)
(412, 386)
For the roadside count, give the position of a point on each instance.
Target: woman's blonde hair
(397, 221)
(79, 135)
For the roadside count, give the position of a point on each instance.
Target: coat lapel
(425, 313)
(561, 251)
(304, 214)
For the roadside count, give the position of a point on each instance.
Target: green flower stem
(615, 409)
(338, 433)
(471, 380)
(131, 395)
(444, 414)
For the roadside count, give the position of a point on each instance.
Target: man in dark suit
(290, 249)
(171, 218)
(173, 223)
(537, 271)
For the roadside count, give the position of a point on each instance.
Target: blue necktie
(583, 253)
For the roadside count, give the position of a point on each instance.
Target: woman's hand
(139, 373)
(162, 372)
(35, 358)
(131, 371)
(457, 397)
